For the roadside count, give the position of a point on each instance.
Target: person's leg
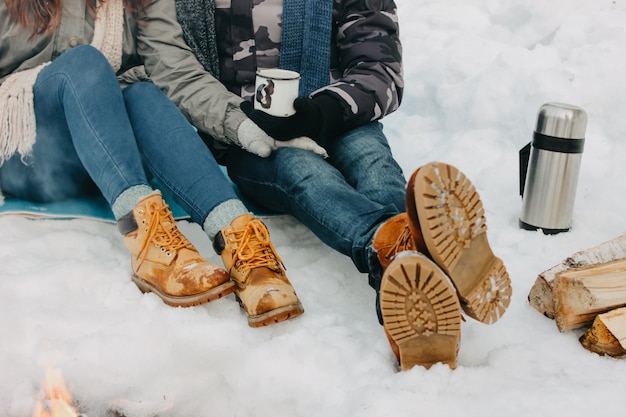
(308, 187)
(364, 158)
(421, 296)
(80, 130)
(82, 136)
(176, 155)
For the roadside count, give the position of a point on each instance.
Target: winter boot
(165, 262)
(446, 217)
(262, 287)
(421, 312)
(392, 237)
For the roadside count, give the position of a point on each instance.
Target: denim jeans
(174, 153)
(94, 137)
(342, 199)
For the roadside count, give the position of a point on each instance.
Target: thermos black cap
(561, 121)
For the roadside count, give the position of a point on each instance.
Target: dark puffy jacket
(366, 58)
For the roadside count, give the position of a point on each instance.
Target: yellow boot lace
(254, 248)
(402, 243)
(162, 230)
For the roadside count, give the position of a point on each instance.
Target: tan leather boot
(446, 216)
(165, 262)
(394, 236)
(262, 287)
(421, 312)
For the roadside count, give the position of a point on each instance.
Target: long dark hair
(41, 16)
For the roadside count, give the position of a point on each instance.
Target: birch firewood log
(541, 296)
(580, 294)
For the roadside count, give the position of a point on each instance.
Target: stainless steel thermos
(549, 168)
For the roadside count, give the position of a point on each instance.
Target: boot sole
(189, 300)
(445, 207)
(421, 312)
(274, 316)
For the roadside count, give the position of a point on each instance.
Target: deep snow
(476, 73)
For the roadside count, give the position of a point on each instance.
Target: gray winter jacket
(158, 44)
(18, 51)
(365, 56)
(365, 70)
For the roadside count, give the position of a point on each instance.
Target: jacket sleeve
(367, 66)
(172, 66)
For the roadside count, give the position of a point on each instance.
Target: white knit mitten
(253, 139)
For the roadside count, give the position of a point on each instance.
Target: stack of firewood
(588, 289)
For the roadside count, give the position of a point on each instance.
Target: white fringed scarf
(17, 113)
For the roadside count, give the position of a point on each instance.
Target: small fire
(58, 401)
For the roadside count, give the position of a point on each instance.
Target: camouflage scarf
(305, 43)
(197, 19)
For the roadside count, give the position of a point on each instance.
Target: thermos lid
(562, 121)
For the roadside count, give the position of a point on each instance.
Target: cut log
(541, 296)
(580, 294)
(607, 335)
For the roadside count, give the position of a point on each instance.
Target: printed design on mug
(264, 94)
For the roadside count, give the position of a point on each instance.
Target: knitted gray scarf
(197, 19)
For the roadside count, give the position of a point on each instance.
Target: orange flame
(58, 401)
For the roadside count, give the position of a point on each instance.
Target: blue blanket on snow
(95, 207)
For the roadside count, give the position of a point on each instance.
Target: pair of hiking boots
(166, 263)
(436, 258)
(437, 263)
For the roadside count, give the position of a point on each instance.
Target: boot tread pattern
(455, 213)
(417, 301)
(453, 223)
(488, 301)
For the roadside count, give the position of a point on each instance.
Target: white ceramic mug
(275, 91)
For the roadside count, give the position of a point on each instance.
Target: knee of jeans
(85, 55)
(84, 63)
(142, 89)
(300, 165)
(138, 94)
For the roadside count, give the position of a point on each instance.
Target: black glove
(319, 118)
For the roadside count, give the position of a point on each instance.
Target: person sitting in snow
(67, 129)
(423, 244)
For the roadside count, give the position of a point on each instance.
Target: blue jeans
(94, 137)
(342, 200)
(174, 153)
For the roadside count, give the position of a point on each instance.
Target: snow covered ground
(476, 72)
